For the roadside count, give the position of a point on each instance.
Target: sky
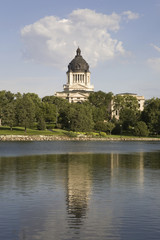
(120, 40)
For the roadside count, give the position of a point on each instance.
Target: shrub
(94, 134)
(102, 134)
(141, 129)
(104, 126)
(71, 134)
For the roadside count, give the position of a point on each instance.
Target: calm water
(80, 190)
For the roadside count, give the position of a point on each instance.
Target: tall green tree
(100, 98)
(37, 103)
(99, 114)
(125, 102)
(151, 115)
(9, 114)
(80, 118)
(59, 102)
(62, 107)
(128, 109)
(101, 103)
(25, 109)
(5, 98)
(141, 129)
(49, 112)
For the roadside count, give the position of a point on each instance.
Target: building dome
(78, 64)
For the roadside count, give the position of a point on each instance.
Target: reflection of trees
(26, 173)
(125, 162)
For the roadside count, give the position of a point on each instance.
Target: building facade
(78, 86)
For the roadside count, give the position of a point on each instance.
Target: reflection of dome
(78, 63)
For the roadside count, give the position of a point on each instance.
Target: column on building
(70, 78)
(79, 78)
(87, 78)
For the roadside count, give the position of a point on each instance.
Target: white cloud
(53, 41)
(90, 18)
(156, 47)
(130, 15)
(154, 62)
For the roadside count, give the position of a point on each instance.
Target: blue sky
(120, 39)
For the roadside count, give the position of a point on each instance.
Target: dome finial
(78, 51)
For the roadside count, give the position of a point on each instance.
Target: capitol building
(78, 85)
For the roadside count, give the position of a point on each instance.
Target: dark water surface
(62, 147)
(80, 190)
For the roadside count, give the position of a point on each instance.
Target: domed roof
(78, 64)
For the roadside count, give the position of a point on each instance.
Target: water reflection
(80, 196)
(79, 183)
(133, 161)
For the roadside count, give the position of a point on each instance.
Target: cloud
(154, 63)
(53, 41)
(91, 19)
(155, 47)
(130, 15)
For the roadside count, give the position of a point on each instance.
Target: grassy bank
(20, 131)
(5, 131)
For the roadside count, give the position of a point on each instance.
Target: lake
(79, 190)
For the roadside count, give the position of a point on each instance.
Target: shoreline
(26, 138)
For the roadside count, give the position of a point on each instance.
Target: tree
(128, 117)
(41, 123)
(99, 99)
(9, 114)
(109, 127)
(5, 98)
(100, 126)
(37, 103)
(128, 110)
(25, 111)
(151, 115)
(49, 112)
(98, 114)
(62, 106)
(141, 129)
(104, 126)
(49, 99)
(59, 102)
(101, 102)
(80, 118)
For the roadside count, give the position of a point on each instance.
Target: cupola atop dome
(78, 51)
(78, 64)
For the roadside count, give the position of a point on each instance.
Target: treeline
(29, 111)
